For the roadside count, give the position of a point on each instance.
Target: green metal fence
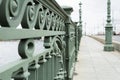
(33, 21)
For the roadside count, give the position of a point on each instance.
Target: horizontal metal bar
(13, 34)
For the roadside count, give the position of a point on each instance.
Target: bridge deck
(95, 64)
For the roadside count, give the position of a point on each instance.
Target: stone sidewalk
(95, 64)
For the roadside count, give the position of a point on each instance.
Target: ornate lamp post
(80, 22)
(80, 15)
(108, 30)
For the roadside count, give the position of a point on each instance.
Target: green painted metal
(80, 24)
(71, 44)
(9, 34)
(44, 21)
(108, 30)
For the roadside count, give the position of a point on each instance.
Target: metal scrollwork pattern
(46, 40)
(31, 14)
(11, 12)
(58, 45)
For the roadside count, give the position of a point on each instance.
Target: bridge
(39, 41)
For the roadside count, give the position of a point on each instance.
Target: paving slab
(96, 64)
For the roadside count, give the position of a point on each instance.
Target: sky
(94, 14)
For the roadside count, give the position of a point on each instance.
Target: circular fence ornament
(26, 48)
(11, 12)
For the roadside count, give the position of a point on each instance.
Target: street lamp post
(80, 20)
(108, 30)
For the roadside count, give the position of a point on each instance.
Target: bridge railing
(47, 40)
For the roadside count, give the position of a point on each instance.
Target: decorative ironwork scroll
(33, 21)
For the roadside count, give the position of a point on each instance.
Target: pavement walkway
(95, 64)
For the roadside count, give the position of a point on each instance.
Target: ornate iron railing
(29, 23)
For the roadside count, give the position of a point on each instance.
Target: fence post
(68, 10)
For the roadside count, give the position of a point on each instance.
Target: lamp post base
(108, 47)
